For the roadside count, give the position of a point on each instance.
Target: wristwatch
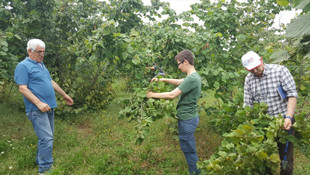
(289, 118)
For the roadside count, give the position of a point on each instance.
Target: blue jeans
(43, 124)
(188, 144)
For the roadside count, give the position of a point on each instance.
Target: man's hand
(154, 79)
(149, 94)
(43, 107)
(152, 68)
(68, 100)
(287, 124)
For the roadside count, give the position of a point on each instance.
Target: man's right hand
(152, 68)
(43, 107)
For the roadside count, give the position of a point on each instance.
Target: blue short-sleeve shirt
(38, 80)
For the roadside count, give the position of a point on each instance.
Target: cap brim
(251, 68)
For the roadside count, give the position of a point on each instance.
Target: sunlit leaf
(261, 155)
(283, 2)
(274, 158)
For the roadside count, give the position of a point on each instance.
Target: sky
(178, 5)
(184, 5)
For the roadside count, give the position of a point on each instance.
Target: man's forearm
(58, 89)
(163, 95)
(291, 106)
(175, 82)
(29, 95)
(64, 95)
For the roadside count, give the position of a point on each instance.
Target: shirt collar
(266, 70)
(33, 61)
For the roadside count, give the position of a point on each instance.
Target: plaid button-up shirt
(264, 89)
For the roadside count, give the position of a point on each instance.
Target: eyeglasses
(180, 63)
(39, 52)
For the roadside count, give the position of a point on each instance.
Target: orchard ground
(102, 143)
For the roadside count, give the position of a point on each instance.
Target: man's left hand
(287, 123)
(149, 94)
(68, 100)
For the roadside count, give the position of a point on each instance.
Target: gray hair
(34, 43)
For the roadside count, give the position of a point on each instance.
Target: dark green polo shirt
(187, 104)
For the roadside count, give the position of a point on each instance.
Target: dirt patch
(85, 128)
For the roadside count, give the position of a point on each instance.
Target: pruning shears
(161, 71)
(284, 162)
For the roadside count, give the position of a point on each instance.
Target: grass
(101, 143)
(96, 143)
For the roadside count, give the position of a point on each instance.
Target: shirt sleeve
(187, 85)
(21, 75)
(288, 83)
(247, 98)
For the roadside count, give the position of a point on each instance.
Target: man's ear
(185, 61)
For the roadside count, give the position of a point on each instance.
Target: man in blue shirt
(38, 90)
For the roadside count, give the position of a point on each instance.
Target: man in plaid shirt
(261, 85)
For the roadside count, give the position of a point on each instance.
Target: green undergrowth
(101, 143)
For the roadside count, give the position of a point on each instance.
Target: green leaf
(302, 4)
(241, 37)
(3, 43)
(263, 105)
(9, 34)
(299, 27)
(186, 24)
(136, 60)
(274, 158)
(283, 2)
(270, 135)
(144, 122)
(134, 33)
(216, 85)
(106, 31)
(230, 145)
(247, 128)
(222, 154)
(238, 133)
(79, 80)
(141, 94)
(3, 53)
(219, 35)
(261, 155)
(130, 49)
(247, 109)
(260, 138)
(302, 87)
(280, 56)
(189, 18)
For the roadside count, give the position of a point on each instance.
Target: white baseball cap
(251, 60)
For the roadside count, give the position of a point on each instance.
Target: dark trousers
(187, 130)
(289, 157)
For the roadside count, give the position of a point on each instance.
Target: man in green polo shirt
(188, 91)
